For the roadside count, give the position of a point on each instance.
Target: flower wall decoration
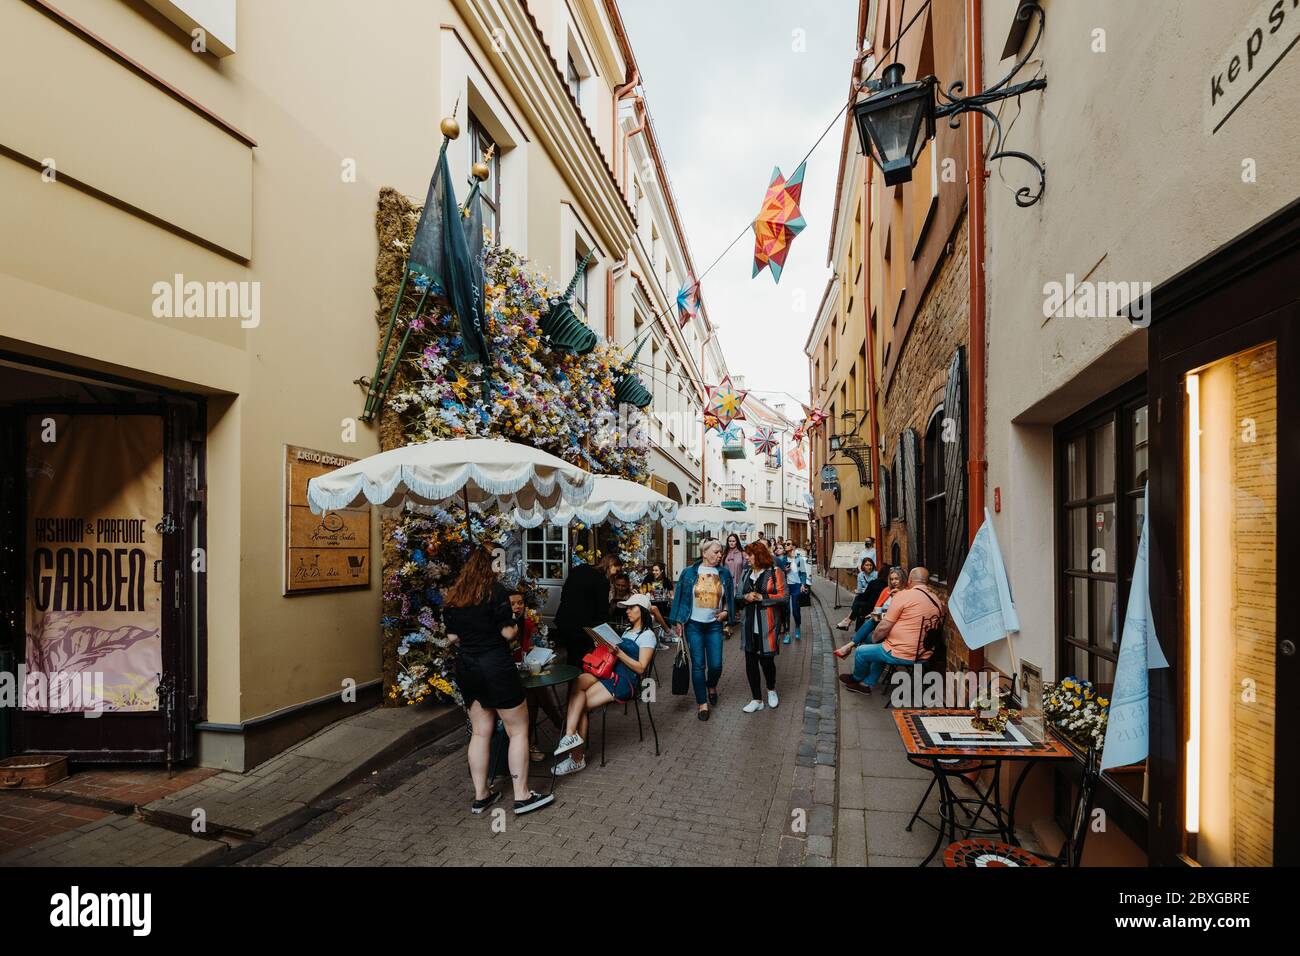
(531, 393)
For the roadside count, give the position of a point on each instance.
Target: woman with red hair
(480, 623)
(765, 599)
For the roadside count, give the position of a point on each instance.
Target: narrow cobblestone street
(720, 793)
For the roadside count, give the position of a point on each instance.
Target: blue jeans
(704, 638)
(864, 632)
(794, 604)
(870, 659)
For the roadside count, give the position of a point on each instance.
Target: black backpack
(932, 635)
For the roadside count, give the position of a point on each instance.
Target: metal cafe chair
(937, 663)
(981, 852)
(636, 702)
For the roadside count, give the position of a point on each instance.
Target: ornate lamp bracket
(956, 104)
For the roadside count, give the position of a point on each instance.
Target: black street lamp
(895, 123)
(897, 119)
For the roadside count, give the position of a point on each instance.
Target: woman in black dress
(478, 618)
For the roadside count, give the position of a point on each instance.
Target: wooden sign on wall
(322, 552)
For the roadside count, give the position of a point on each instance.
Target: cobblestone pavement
(720, 793)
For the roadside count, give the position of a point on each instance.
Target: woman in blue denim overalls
(632, 658)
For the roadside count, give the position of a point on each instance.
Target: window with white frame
(581, 294)
(481, 144)
(546, 552)
(573, 78)
(578, 69)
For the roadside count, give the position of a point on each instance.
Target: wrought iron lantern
(895, 123)
(897, 119)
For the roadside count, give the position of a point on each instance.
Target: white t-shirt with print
(707, 599)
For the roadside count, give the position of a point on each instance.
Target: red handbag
(600, 662)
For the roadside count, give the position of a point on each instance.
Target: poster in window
(93, 599)
(327, 551)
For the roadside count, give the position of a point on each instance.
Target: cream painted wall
(1137, 189)
(315, 93)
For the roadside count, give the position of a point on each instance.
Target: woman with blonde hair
(480, 623)
(702, 605)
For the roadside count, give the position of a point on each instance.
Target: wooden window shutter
(954, 463)
(896, 484)
(883, 490)
(911, 493)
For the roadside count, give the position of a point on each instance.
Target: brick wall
(916, 389)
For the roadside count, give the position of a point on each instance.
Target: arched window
(934, 486)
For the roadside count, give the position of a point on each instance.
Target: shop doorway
(101, 597)
(1224, 363)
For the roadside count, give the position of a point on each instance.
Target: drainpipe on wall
(872, 406)
(977, 465)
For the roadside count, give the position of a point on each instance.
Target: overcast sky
(731, 97)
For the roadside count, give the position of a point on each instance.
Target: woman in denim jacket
(703, 603)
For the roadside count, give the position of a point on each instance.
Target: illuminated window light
(1192, 764)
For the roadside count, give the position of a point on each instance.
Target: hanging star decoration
(778, 222)
(766, 440)
(815, 416)
(797, 437)
(725, 401)
(688, 303)
(733, 435)
(711, 422)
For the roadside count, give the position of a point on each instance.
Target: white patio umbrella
(481, 472)
(611, 497)
(710, 518)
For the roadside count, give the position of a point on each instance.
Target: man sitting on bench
(900, 637)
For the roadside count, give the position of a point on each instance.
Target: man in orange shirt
(900, 637)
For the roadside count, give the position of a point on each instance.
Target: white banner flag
(1127, 733)
(980, 602)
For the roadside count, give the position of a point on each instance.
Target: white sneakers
(753, 706)
(568, 765)
(772, 699)
(567, 743)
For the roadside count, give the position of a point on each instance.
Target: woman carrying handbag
(702, 605)
(765, 601)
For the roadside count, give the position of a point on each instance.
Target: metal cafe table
(942, 741)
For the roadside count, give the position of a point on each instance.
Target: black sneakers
(478, 806)
(534, 801)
